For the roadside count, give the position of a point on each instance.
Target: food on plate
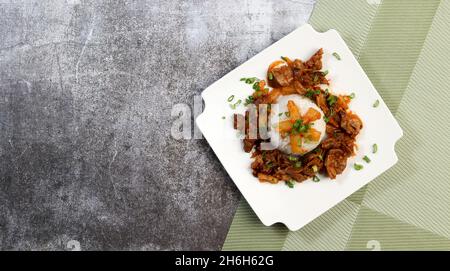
(309, 130)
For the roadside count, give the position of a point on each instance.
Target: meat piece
(330, 143)
(249, 144)
(260, 165)
(322, 103)
(281, 75)
(277, 158)
(257, 163)
(299, 88)
(306, 78)
(334, 119)
(313, 167)
(331, 130)
(296, 174)
(312, 163)
(335, 162)
(281, 175)
(315, 62)
(309, 73)
(298, 65)
(267, 178)
(347, 144)
(298, 68)
(321, 79)
(351, 123)
(310, 79)
(269, 98)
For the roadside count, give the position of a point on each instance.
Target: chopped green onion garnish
(270, 75)
(290, 183)
(315, 179)
(352, 96)
(223, 117)
(358, 166)
(250, 99)
(292, 158)
(297, 124)
(324, 73)
(298, 164)
(374, 148)
(304, 128)
(287, 114)
(280, 114)
(250, 80)
(299, 127)
(256, 86)
(377, 103)
(366, 158)
(284, 58)
(311, 92)
(331, 100)
(326, 119)
(233, 106)
(230, 98)
(337, 56)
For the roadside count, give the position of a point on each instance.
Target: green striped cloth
(403, 46)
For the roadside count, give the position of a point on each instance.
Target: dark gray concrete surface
(86, 91)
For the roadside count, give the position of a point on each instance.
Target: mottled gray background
(86, 91)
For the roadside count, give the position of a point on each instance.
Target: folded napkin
(403, 47)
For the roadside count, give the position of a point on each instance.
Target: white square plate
(298, 206)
